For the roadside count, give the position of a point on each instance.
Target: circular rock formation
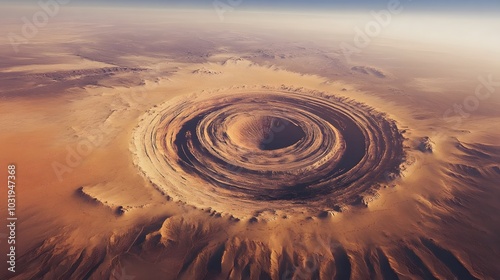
(266, 150)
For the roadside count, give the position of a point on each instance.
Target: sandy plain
(72, 102)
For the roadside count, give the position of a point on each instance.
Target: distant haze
(469, 6)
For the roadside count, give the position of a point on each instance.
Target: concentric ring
(247, 151)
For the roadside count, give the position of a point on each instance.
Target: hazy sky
(417, 5)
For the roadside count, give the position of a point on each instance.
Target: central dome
(264, 132)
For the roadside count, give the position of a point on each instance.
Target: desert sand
(201, 149)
